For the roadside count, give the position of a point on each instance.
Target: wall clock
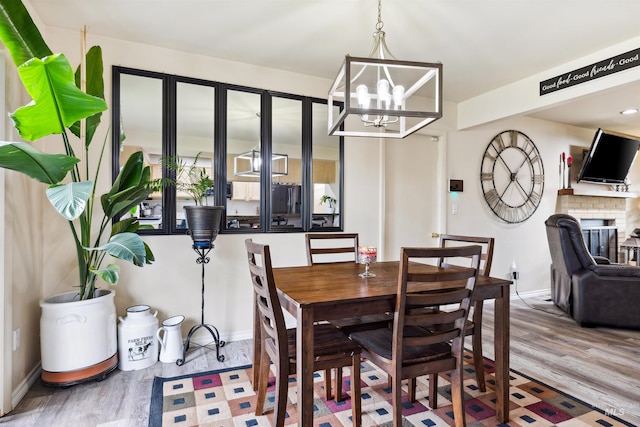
(512, 176)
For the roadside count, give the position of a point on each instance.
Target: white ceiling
(483, 44)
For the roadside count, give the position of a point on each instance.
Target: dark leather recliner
(592, 290)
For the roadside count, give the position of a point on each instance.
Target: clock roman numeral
(513, 138)
(498, 143)
(492, 197)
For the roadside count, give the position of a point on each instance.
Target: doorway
(414, 191)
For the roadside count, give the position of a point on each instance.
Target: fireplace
(603, 221)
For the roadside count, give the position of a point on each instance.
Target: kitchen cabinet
(323, 171)
(247, 191)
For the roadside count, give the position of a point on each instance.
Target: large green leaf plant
(58, 106)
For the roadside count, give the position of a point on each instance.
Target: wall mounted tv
(610, 157)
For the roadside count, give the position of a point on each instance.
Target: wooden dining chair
(325, 248)
(474, 324)
(423, 341)
(332, 348)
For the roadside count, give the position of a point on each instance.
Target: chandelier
(382, 96)
(249, 163)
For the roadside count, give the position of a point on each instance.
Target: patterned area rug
(226, 398)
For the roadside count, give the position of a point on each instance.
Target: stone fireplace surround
(609, 208)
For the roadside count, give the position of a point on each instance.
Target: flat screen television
(609, 158)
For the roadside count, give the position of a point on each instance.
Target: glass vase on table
(367, 255)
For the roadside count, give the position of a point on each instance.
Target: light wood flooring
(600, 366)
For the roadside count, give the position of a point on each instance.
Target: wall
(524, 243)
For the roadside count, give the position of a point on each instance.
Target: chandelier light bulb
(383, 94)
(398, 96)
(363, 96)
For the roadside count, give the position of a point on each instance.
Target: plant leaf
(111, 274)
(125, 246)
(130, 188)
(57, 102)
(130, 225)
(94, 87)
(70, 200)
(19, 33)
(44, 167)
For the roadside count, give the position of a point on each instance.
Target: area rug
(226, 398)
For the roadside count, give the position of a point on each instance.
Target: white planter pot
(78, 339)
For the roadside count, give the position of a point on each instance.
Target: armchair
(592, 290)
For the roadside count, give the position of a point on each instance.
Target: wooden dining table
(334, 291)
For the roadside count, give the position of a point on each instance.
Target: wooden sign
(591, 72)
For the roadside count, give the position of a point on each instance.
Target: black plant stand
(203, 249)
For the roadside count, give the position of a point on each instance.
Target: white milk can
(138, 348)
(170, 338)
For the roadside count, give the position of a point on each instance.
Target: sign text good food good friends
(590, 72)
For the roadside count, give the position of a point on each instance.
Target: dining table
(325, 292)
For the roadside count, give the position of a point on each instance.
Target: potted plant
(329, 202)
(75, 344)
(203, 221)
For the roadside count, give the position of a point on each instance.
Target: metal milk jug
(138, 348)
(170, 339)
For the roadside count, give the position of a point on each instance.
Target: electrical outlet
(16, 339)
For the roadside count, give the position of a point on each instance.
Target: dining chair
(324, 248)
(423, 341)
(474, 324)
(332, 348)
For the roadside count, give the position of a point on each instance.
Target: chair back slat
(487, 243)
(435, 338)
(325, 248)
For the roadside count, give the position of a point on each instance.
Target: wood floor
(599, 366)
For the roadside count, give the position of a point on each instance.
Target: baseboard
(538, 293)
(205, 339)
(21, 391)
(530, 294)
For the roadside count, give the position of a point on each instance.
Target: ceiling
(483, 44)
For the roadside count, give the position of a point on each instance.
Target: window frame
(219, 145)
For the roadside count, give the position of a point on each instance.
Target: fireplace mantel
(597, 193)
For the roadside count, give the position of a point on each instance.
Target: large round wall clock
(512, 176)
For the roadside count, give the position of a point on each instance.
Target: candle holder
(367, 255)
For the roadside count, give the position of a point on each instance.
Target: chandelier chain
(379, 24)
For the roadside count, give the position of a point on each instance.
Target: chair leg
(457, 397)
(337, 389)
(262, 384)
(412, 389)
(396, 401)
(282, 386)
(433, 391)
(356, 397)
(327, 384)
(476, 339)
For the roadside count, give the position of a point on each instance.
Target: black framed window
(228, 130)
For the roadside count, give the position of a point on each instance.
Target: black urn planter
(203, 222)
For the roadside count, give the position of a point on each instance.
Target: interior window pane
(326, 172)
(195, 118)
(286, 170)
(243, 160)
(141, 130)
